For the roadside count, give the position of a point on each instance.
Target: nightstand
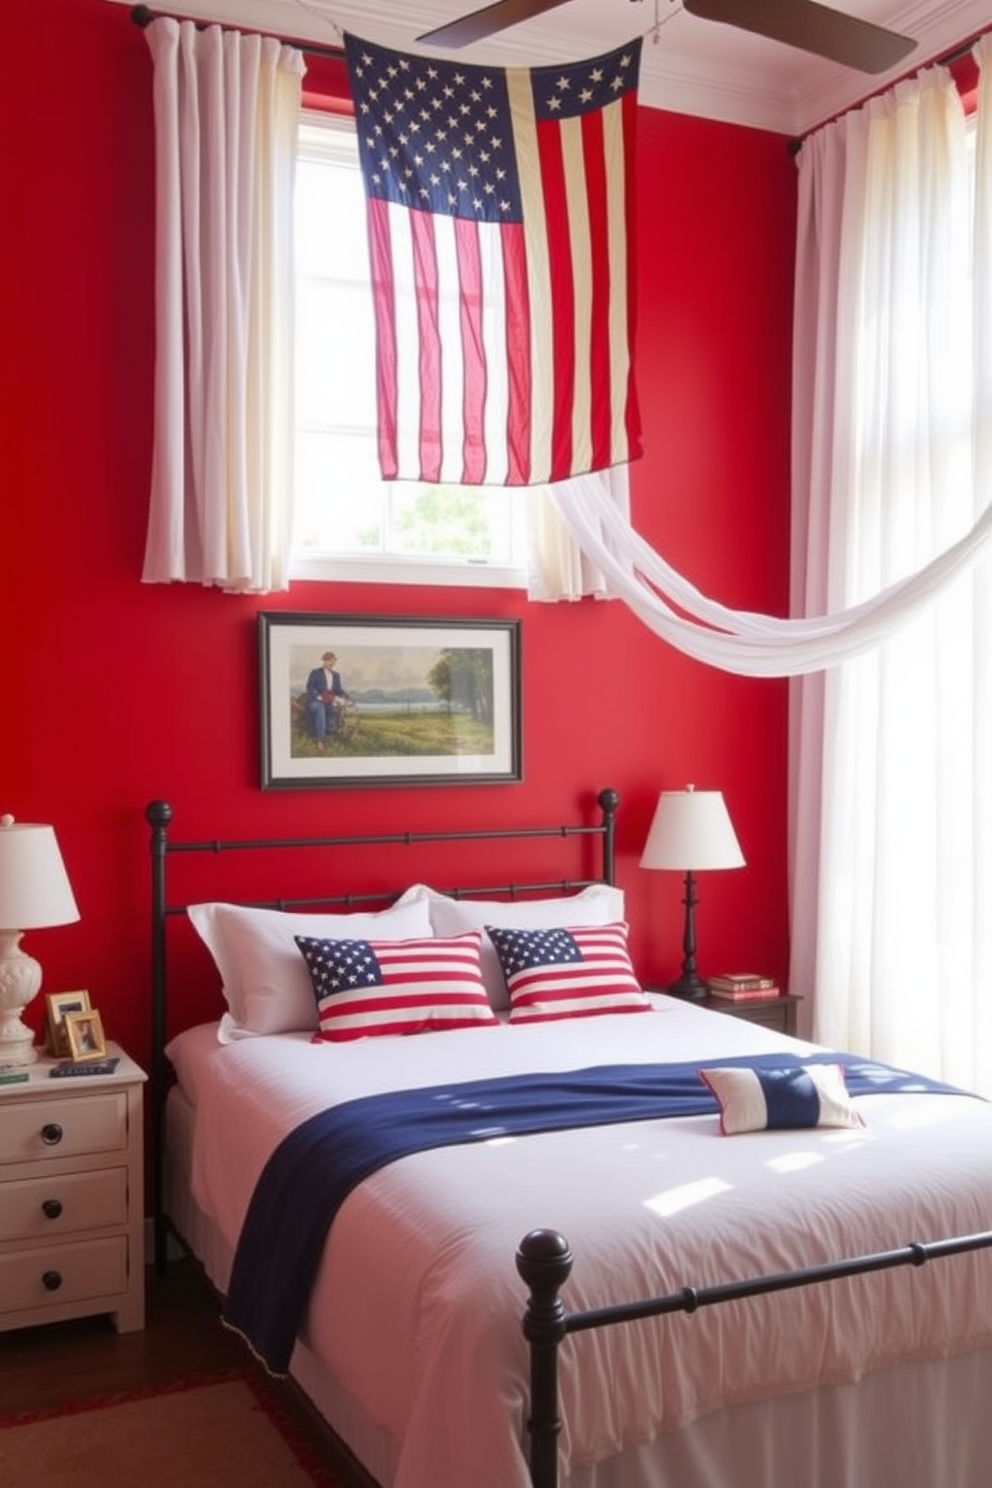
(72, 1197)
(772, 1012)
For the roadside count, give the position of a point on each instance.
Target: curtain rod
(948, 59)
(142, 16)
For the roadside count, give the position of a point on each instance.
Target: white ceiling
(688, 65)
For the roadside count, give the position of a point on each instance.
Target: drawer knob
(51, 1134)
(51, 1281)
(52, 1208)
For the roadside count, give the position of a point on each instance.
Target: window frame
(321, 135)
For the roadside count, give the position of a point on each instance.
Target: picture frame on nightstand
(58, 1004)
(84, 1032)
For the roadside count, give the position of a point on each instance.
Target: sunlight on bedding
(686, 1195)
(793, 1162)
(841, 1141)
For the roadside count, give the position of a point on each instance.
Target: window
(351, 524)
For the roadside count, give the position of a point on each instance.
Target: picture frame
(57, 1005)
(405, 701)
(84, 1032)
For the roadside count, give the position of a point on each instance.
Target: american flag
(568, 973)
(498, 205)
(366, 988)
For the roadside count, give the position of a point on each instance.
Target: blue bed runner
(313, 1170)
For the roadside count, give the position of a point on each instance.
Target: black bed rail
(544, 1262)
(159, 815)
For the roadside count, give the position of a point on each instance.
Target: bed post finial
(158, 813)
(544, 1260)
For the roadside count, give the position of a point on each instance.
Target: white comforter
(417, 1305)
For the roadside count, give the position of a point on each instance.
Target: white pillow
(599, 904)
(265, 979)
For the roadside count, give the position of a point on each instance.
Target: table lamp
(34, 893)
(691, 830)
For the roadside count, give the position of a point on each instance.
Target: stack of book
(743, 986)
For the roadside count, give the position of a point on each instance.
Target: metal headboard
(159, 817)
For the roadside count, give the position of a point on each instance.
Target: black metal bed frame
(159, 815)
(544, 1262)
(544, 1259)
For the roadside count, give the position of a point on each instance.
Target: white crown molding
(688, 66)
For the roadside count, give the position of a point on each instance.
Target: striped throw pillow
(793, 1097)
(577, 972)
(368, 988)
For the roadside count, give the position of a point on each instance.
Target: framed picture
(58, 1004)
(365, 700)
(84, 1032)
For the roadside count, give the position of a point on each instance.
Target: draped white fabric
(739, 641)
(226, 111)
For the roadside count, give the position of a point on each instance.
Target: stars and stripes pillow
(368, 988)
(781, 1099)
(576, 972)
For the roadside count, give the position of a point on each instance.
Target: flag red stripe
(518, 332)
(411, 1024)
(632, 409)
(425, 278)
(562, 297)
(406, 995)
(603, 394)
(384, 304)
(473, 351)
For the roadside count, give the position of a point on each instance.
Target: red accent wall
(116, 692)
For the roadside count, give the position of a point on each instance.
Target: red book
(745, 994)
(742, 981)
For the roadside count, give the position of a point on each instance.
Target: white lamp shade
(691, 829)
(34, 886)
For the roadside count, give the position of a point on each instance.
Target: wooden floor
(42, 1368)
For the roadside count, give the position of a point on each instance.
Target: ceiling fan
(800, 23)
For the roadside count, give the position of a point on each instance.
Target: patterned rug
(222, 1432)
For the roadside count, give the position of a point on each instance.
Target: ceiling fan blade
(813, 28)
(479, 24)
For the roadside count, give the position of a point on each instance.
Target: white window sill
(382, 570)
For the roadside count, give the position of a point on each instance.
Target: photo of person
(85, 1035)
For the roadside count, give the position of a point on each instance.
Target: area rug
(222, 1432)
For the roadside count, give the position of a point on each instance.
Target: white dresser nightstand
(72, 1196)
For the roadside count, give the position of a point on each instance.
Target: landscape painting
(357, 700)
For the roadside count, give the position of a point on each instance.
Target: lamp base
(18, 1049)
(20, 980)
(688, 986)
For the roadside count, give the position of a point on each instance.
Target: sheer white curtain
(892, 866)
(558, 567)
(890, 790)
(226, 112)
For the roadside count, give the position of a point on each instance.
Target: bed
(412, 1339)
